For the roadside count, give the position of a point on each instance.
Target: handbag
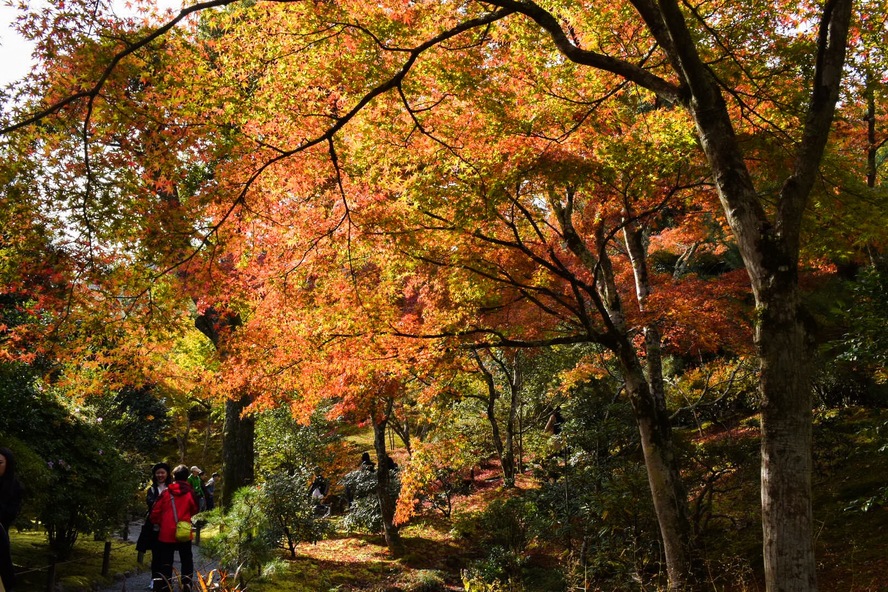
(147, 536)
(183, 527)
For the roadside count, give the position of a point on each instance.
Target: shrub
(290, 511)
(506, 523)
(434, 475)
(276, 513)
(246, 540)
(499, 570)
(425, 580)
(364, 512)
(83, 484)
(78, 499)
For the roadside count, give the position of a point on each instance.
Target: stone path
(138, 582)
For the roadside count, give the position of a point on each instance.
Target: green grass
(363, 439)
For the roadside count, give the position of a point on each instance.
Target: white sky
(15, 52)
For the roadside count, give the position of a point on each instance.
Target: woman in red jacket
(167, 545)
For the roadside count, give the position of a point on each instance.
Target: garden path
(138, 582)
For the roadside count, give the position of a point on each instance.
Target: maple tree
(486, 126)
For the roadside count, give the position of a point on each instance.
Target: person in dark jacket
(10, 505)
(317, 491)
(161, 477)
(176, 504)
(210, 491)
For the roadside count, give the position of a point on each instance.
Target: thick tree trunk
(770, 250)
(387, 502)
(786, 445)
(237, 449)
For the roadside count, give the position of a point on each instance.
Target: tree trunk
(872, 143)
(509, 465)
(237, 449)
(664, 478)
(648, 397)
(402, 430)
(182, 439)
(770, 250)
(387, 502)
(498, 444)
(786, 447)
(508, 456)
(238, 433)
(503, 449)
(648, 403)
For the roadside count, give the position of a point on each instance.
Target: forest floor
(850, 488)
(851, 515)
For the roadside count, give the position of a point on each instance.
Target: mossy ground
(81, 571)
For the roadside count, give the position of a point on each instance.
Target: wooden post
(51, 574)
(106, 559)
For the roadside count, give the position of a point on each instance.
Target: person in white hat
(197, 485)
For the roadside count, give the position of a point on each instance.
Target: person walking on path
(176, 504)
(197, 485)
(161, 477)
(140, 580)
(10, 504)
(210, 491)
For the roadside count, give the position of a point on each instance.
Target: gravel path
(138, 582)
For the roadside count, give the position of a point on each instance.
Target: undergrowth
(494, 540)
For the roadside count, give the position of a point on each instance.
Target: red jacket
(162, 511)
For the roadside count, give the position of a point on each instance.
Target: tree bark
(511, 370)
(786, 445)
(872, 142)
(509, 464)
(669, 494)
(770, 250)
(667, 489)
(238, 438)
(387, 502)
